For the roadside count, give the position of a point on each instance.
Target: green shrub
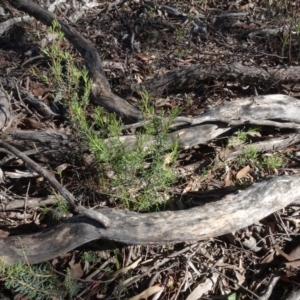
(139, 174)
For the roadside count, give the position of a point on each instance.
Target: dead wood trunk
(5, 111)
(214, 218)
(271, 110)
(191, 77)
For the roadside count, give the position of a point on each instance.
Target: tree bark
(209, 219)
(191, 77)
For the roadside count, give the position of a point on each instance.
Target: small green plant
(89, 256)
(250, 154)
(34, 282)
(285, 42)
(188, 101)
(138, 173)
(272, 162)
(241, 136)
(180, 34)
(71, 284)
(151, 13)
(60, 209)
(116, 256)
(269, 161)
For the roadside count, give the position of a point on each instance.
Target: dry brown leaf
(203, 288)
(269, 257)
(227, 181)
(184, 62)
(86, 267)
(295, 253)
(188, 187)
(3, 234)
(157, 295)
(294, 264)
(293, 220)
(251, 243)
(142, 57)
(168, 159)
(124, 283)
(37, 89)
(246, 6)
(254, 134)
(148, 292)
(243, 172)
(76, 269)
(240, 277)
(126, 269)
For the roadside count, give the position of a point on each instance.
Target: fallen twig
(64, 192)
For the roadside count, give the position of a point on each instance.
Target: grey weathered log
(192, 77)
(275, 144)
(187, 137)
(211, 219)
(51, 146)
(5, 111)
(8, 204)
(278, 108)
(268, 110)
(101, 89)
(272, 110)
(294, 295)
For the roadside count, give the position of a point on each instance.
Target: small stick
(54, 183)
(145, 122)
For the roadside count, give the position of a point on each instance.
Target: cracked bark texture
(210, 219)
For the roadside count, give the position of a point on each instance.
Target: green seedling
(34, 282)
(272, 162)
(251, 155)
(241, 136)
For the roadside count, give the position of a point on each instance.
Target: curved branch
(214, 218)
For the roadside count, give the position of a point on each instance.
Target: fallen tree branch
(4, 26)
(5, 110)
(31, 202)
(191, 77)
(273, 110)
(275, 144)
(64, 192)
(211, 219)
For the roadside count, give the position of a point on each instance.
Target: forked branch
(64, 192)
